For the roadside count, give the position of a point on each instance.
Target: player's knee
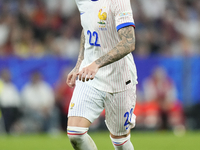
(120, 141)
(76, 134)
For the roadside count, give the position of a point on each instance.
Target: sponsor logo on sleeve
(124, 14)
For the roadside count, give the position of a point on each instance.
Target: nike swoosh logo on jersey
(82, 13)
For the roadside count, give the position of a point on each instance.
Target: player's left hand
(88, 72)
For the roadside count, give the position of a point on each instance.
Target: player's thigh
(119, 112)
(78, 122)
(86, 105)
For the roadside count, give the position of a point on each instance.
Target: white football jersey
(101, 19)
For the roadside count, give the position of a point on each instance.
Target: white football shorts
(89, 102)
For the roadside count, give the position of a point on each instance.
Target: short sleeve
(83, 5)
(122, 13)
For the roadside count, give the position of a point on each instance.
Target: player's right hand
(71, 78)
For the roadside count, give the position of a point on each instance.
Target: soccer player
(106, 74)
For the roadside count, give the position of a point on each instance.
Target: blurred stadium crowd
(48, 27)
(38, 28)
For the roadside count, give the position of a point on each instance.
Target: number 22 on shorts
(128, 116)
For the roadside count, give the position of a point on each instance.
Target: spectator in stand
(188, 42)
(27, 46)
(162, 108)
(38, 100)
(67, 44)
(4, 32)
(66, 7)
(6, 25)
(63, 94)
(9, 101)
(153, 9)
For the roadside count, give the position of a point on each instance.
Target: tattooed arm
(71, 78)
(124, 47)
(81, 52)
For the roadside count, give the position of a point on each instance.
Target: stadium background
(44, 35)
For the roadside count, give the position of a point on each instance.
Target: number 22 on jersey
(93, 35)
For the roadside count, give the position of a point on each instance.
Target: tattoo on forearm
(81, 52)
(124, 47)
(82, 46)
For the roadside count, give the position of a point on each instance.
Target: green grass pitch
(141, 140)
